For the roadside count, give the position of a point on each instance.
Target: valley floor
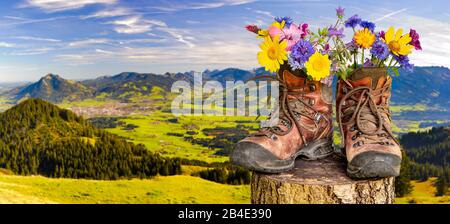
(159, 190)
(423, 193)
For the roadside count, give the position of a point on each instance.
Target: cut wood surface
(320, 182)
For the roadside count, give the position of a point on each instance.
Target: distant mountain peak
(53, 88)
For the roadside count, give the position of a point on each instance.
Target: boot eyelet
(312, 102)
(354, 137)
(312, 88)
(274, 137)
(344, 90)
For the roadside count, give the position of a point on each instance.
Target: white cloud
(36, 51)
(14, 20)
(266, 13)
(181, 35)
(63, 5)
(135, 24)
(37, 39)
(218, 54)
(174, 7)
(112, 12)
(7, 45)
(104, 51)
(391, 14)
(82, 43)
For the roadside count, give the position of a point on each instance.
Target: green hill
(37, 137)
(53, 88)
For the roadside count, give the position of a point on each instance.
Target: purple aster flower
(288, 21)
(328, 80)
(368, 63)
(351, 46)
(380, 50)
(415, 39)
(339, 33)
(340, 12)
(301, 51)
(353, 21)
(404, 62)
(369, 25)
(293, 63)
(380, 35)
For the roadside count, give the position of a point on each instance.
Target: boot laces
(289, 114)
(367, 118)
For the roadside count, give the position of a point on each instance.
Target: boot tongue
(369, 76)
(293, 79)
(368, 120)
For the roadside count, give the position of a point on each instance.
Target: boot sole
(370, 165)
(324, 145)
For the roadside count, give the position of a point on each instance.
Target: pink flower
(415, 39)
(275, 31)
(292, 34)
(304, 28)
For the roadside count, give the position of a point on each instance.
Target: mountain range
(426, 85)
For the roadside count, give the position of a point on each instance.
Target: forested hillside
(37, 137)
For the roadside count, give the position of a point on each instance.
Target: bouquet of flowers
(324, 53)
(295, 44)
(368, 48)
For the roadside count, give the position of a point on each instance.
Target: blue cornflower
(380, 50)
(369, 25)
(288, 21)
(301, 52)
(353, 21)
(403, 60)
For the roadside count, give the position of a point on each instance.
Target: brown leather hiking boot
(362, 111)
(304, 128)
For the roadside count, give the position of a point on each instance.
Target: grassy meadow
(158, 190)
(423, 193)
(154, 132)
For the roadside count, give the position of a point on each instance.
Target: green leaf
(393, 71)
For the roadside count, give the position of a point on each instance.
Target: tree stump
(320, 182)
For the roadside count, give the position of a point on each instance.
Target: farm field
(163, 133)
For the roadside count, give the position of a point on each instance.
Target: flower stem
(362, 58)
(390, 62)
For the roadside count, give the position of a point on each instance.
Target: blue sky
(82, 39)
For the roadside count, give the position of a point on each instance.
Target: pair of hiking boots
(305, 127)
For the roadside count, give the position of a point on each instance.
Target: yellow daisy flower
(364, 38)
(273, 54)
(398, 44)
(279, 25)
(318, 66)
(263, 33)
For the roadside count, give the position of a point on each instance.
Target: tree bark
(320, 182)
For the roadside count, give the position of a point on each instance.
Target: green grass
(153, 133)
(403, 108)
(159, 190)
(5, 103)
(423, 193)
